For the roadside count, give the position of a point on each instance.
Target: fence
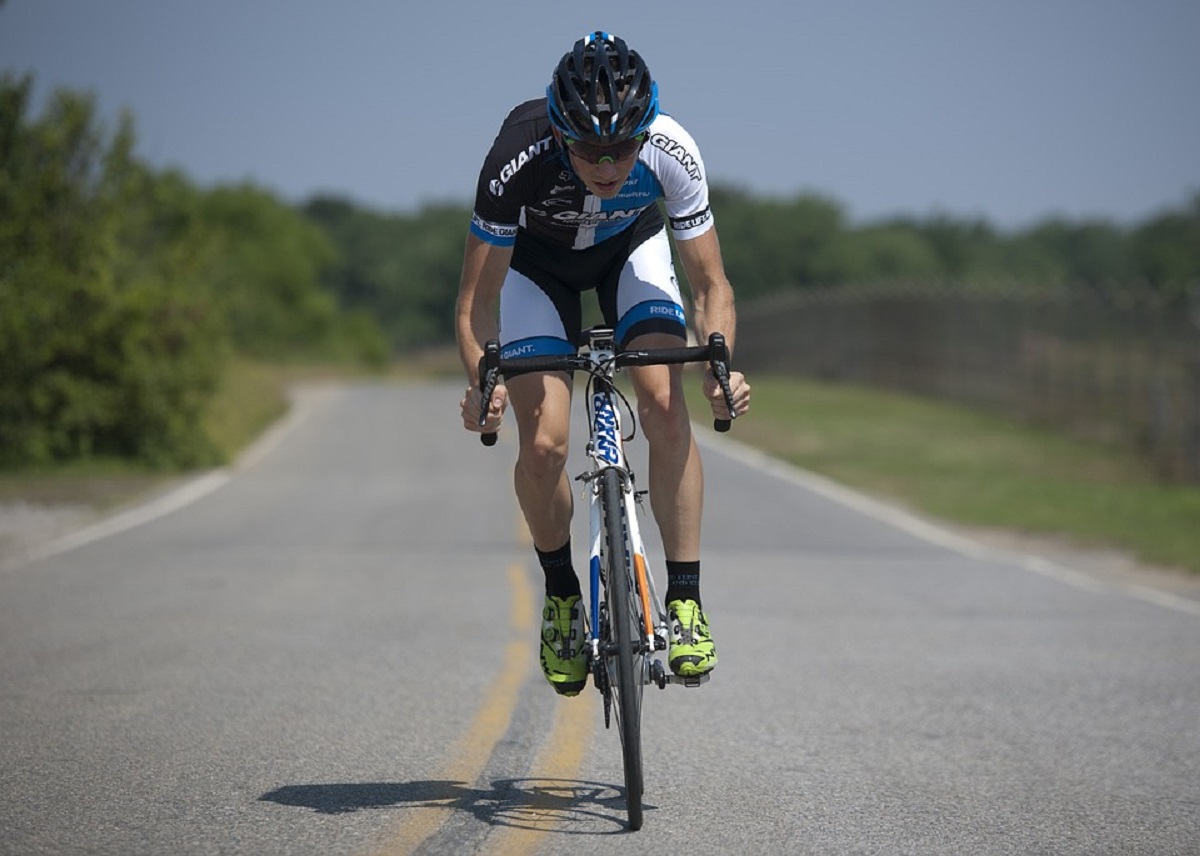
(1117, 363)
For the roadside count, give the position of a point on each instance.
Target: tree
(1166, 249)
(103, 347)
(889, 251)
(772, 244)
(402, 269)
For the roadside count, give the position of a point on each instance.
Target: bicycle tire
(628, 661)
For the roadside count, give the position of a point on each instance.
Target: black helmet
(601, 92)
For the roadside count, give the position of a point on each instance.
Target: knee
(543, 455)
(664, 417)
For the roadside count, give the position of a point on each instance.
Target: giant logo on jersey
(679, 152)
(511, 168)
(583, 219)
(595, 218)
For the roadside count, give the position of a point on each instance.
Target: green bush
(123, 291)
(104, 347)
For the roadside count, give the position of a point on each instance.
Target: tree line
(403, 268)
(124, 290)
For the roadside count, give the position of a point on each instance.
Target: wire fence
(1118, 363)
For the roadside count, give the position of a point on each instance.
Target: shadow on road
(518, 803)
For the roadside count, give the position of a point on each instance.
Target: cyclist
(565, 203)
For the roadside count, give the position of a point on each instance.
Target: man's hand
(716, 399)
(471, 407)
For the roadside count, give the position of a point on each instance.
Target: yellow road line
(473, 750)
(559, 760)
(558, 763)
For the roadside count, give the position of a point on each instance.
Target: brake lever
(718, 361)
(489, 374)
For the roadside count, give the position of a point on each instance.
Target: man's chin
(605, 191)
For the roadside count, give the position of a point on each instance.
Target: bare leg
(541, 403)
(676, 473)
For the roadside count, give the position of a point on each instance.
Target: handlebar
(492, 366)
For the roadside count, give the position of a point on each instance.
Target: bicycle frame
(606, 449)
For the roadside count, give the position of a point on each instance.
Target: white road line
(181, 496)
(303, 403)
(931, 532)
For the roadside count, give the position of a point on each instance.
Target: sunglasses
(594, 154)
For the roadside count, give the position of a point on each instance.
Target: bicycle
(627, 625)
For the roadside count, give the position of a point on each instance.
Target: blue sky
(1012, 111)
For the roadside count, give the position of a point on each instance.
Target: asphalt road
(332, 649)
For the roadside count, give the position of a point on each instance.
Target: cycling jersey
(528, 187)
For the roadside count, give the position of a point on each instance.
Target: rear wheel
(627, 663)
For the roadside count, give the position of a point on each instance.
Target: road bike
(627, 630)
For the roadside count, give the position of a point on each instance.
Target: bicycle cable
(600, 372)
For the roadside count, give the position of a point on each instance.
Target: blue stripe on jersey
(537, 346)
(641, 190)
(656, 309)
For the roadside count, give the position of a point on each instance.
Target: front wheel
(625, 665)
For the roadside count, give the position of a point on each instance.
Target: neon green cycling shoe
(692, 652)
(564, 656)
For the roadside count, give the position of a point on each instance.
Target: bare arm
(714, 312)
(484, 268)
(713, 295)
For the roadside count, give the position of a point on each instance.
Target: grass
(100, 484)
(977, 469)
(252, 395)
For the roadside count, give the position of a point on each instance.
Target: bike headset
(601, 92)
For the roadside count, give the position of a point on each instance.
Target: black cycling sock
(560, 573)
(683, 581)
